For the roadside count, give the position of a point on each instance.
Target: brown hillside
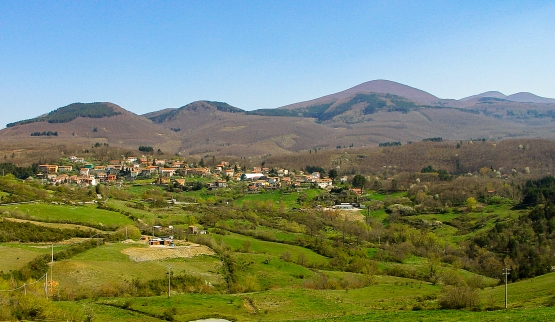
(461, 157)
(208, 131)
(363, 116)
(530, 98)
(204, 129)
(124, 130)
(375, 86)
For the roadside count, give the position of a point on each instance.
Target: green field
(107, 265)
(390, 299)
(237, 242)
(15, 256)
(537, 291)
(85, 215)
(277, 197)
(276, 259)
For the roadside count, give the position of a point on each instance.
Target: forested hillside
(71, 112)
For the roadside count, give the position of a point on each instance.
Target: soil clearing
(163, 252)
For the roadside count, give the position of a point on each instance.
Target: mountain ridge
(522, 97)
(364, 115)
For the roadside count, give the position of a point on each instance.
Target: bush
(477, 281)
(451, 277)
(459, 297)
(401, 210)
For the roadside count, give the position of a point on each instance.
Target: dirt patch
(163, 252)
(352, 215)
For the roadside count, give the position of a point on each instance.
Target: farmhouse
(221, 184)
(324, 183)
(48, 168)
(166, 172)
(161, 241)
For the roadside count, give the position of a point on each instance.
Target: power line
(24, 286)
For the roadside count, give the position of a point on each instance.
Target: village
(178, 174)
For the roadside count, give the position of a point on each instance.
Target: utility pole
(169, 280)
(51, 268)
(46, 286)
(506, 271)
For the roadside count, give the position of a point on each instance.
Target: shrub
(458, 297)
(451, 277)
(476, 281)
(401, 210)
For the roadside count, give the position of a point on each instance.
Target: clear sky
(150, 55)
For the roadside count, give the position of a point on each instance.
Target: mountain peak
(490, 94)
(390, 87)
(525, 97)
(72, 111)
(220, 106)
(379, 86)
(197, 106)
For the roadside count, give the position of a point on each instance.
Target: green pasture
(15, 256)
(277, 234)
(280, 235)
(383, 196)
(379, 215)
(161, 216)
(264, 272)
(276, 197)
(99, 312)
(237, 242)
(138, 189)
(286, 304)
(390, 298)
(107, 264)
(533, 315)
(122, 205)
(534, 292)
(75, 214)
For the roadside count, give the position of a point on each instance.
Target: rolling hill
(88, 123)
(365, 115)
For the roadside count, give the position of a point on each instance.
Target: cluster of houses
(175, 171)
(261, 179)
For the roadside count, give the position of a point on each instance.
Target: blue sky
(150, 55)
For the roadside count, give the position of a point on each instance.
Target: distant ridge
(526, 97)
(522, 97)
(368, 114)
(197, 106)
(492, 94)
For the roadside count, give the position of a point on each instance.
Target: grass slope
(107, 265)
(75, 214)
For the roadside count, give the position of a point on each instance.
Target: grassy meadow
(84, 215)
(278, 260)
